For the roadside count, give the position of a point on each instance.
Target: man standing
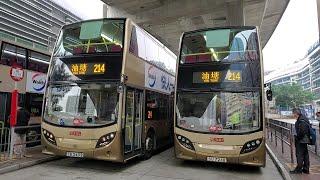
(302, 138)
(20, 131)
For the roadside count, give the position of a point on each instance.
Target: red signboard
(16, 73)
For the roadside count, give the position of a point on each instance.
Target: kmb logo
(75, 133)
(216, 139)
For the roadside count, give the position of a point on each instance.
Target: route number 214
(99, 68)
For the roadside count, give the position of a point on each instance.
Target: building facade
(28, 31)
(33, 23)
(305, 72)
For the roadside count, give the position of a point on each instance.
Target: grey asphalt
(160, 167)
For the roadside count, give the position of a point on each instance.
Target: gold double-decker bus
(219, 97)
(109, 94)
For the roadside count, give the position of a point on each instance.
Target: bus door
(133, 123)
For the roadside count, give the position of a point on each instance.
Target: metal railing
(4, 143)
(279, 131)
(9, 142)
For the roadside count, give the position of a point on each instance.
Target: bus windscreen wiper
(187, 90)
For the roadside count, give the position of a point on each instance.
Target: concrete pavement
(285, 159)
(161, 166)
(35, 157)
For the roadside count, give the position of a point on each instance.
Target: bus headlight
(105, 139)
(185, 142)
(49, 136)
(251, 145)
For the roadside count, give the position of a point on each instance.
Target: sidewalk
(36, 158)
(285, 159)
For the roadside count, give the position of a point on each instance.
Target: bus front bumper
(108, 153)
(254, 158)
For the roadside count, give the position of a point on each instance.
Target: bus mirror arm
(267, 85)
(268, 91)
(269, 95)
(120, 88)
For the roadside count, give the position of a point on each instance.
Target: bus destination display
(87, 68)
(216, 76)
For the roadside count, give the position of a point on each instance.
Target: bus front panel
(75, 142)
(219, 103)
(82, 99)
(220, 148)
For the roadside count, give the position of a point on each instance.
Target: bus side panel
(133, 67)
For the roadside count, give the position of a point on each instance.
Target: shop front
(30, 88)
(35, 86)
(7, 85)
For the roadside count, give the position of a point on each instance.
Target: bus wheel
(149, 146)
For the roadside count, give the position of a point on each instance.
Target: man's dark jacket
(302, 130)
(23, 118)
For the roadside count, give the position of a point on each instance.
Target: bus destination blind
(216, 77)
(87, 68)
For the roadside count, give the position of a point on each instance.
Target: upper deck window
(146, 47)
(91, 37)
(225, 45)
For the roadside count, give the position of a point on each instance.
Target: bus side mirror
(269, 95)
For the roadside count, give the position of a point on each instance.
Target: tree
(292, 95)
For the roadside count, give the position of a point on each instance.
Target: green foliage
(291, 95)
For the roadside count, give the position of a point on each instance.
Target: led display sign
(216, 76)
(87, 68)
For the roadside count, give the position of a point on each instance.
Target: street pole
(13, 117)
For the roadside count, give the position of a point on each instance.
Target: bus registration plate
(74, 154)
(217, 159)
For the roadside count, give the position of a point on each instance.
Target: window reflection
(156, 106)
(207, 46)
(229, 112)
(148, 48)
(109, 38)
(82, 104)
(60, 71)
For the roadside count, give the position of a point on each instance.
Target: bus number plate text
(74, 154)
(217, 159)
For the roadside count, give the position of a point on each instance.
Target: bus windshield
(87, 37)
(91, 104)
(218, 112)
(220, 45)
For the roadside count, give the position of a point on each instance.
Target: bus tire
(149, 145)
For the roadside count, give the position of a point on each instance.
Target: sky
(296, 32)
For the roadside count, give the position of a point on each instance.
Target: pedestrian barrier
(4, 143)
(283, 131)
(279, 130)
(14, 146)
